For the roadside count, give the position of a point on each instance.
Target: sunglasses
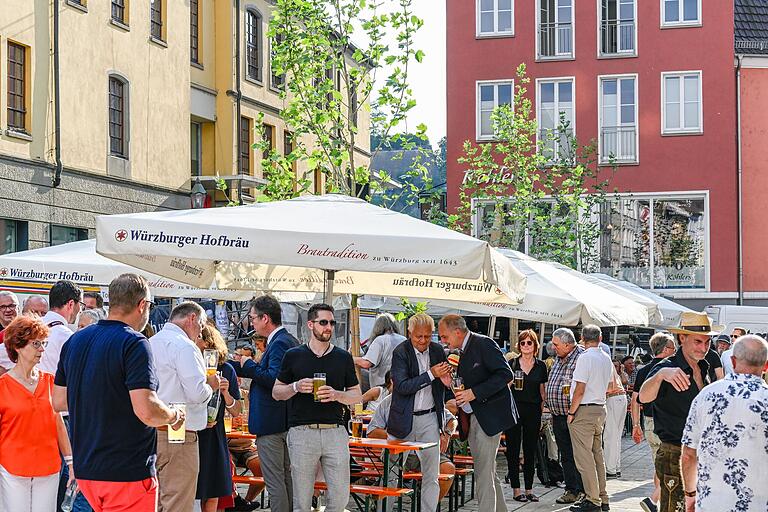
(526, 342)
(325, 322)
(734, 336)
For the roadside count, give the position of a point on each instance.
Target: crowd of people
(136, 418)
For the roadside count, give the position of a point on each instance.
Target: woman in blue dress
(215, 477)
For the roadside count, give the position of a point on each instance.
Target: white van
(752, 318)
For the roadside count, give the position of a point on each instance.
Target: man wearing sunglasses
(725, 357)
(317, 429)
(9, 310)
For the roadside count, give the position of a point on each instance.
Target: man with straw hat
(672, 386)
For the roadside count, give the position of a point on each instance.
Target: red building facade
(653, 82)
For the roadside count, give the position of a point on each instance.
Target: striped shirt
(560, 375)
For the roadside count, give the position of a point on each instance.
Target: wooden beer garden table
(374, 448)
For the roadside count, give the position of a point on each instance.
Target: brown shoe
(567, 498)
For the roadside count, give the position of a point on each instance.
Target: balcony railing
(555, 40)
(617, 37)
(618, 143)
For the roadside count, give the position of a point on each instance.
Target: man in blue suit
(267, 417)
(487, 399)
(420, 375)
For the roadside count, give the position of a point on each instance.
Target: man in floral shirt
(725, 441)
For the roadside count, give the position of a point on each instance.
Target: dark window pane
(17, 101)
(193, 30)
(245, 145)
(116, 117)
(253, 45)
(118, 10)
(156, 19)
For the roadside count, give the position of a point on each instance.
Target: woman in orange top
(31, 434)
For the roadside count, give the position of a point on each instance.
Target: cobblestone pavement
(636, 483)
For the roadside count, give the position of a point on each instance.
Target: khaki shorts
(412, 463)
(653, 440)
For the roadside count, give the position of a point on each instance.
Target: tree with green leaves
(526, 184)
(332, 60)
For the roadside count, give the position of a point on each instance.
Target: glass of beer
(211, 358)
(227, 422)
(567, 389)
(317, 382)
(457, 384)
(356, 428)
(519, 380)
(177, 436)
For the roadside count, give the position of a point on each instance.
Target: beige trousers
(177, 468)
(586, 437)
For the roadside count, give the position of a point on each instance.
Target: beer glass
(177, 436)
(356, 428)
(211, 358)
(457, 384)
(317, 382)
(519, 380)
(227, 422)
(567, 389)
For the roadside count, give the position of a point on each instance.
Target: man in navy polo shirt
(107, 381)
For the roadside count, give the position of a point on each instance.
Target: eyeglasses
(147, 301)
(325, 322)
(37, 344)
(9, 306)
(526, 342)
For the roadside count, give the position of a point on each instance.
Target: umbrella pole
(354, 333)
(615, 337)
(514, 331)
(330, 275)
(491, 326)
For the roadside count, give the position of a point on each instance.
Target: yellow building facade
(151, 95)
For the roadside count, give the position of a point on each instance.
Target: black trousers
(563, 438)
(526, 430)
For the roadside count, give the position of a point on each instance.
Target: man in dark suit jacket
(420, 375)
(487, 398)
(267, 417)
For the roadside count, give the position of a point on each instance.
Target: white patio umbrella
(670, 310)
(307, 243)
(25, 271)
(556, 295)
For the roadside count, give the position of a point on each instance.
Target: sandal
(532, 497)
(521, 498)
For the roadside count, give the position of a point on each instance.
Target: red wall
(667, 164)
(754, 154)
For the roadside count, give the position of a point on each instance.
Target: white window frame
(618, 54)
(555, 80)
(478, 123)
(682, 130)
(604, 159)
(496, 32)
(679, 24)
(564, 56)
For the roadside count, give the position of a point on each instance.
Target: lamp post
(198, 194)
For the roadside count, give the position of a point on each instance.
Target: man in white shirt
(181, 373)
(9, 310)
(586, 419)
(65, 300)
(725, 357)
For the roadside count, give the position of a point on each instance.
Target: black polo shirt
(642, 376)
(670, 409)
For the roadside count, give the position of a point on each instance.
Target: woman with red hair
(32, 435)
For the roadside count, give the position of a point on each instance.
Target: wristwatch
(571, 414)
(690, 494)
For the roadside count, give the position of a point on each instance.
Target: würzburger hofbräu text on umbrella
(182, 240)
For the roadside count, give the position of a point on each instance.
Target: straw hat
(692, 322)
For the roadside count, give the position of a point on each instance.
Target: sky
(428, 78)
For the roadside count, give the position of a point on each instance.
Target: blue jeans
(81, 504)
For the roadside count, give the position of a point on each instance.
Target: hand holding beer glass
(318, 382)
(519, 380)
(176, 430)
(211, 358)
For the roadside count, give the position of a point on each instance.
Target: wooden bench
(245, 479)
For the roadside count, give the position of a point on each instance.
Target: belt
(591, 405)
(321, 426)
(675, 445)
(618, 393)
(422, 413)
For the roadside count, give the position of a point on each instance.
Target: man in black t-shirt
(316, 427)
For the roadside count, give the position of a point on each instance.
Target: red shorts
(103, 496)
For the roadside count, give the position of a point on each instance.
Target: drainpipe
(740, 299)
(56, 180)
(238, 96)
